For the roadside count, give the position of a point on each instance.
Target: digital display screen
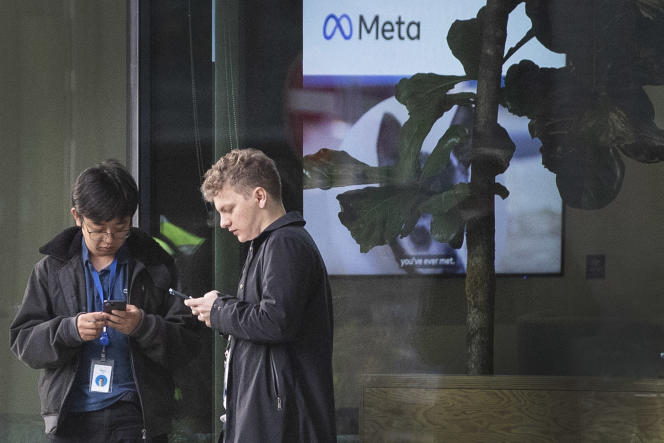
(354, 54)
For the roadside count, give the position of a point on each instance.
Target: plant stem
(526, 38)
(480, 272)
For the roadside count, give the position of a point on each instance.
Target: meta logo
(386, 29)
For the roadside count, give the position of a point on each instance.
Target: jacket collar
(290, 218)
(67, 244)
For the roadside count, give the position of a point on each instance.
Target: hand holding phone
(118, 305)
(125, 318)
(201, 307)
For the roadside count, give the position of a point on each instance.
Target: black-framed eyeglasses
(99, 235)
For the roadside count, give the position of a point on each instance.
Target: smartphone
(178, 293)
(118, 305)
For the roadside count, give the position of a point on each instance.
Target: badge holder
(101, 370)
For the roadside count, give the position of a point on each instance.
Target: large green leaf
(446, 201)
(451, 211)
(456, 198)
(582, 153)
(423, 92)
(465, 41)
(584, 30)
(590, 178)
(557, 23)
(426, 98)
(535, 92)
(440, 156)
(582, 130)
(605, 40)
(329, 168)
(447, 228)
(560, 108)
(523, 89)
(376, 215)
(447, 221)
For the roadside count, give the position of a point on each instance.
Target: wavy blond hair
(243, 170)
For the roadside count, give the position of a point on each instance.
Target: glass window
(176, 144)
(577, 310)
(576, 291)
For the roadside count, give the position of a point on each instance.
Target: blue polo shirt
(80, 398)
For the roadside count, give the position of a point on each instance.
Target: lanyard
(100, 290)
(104, 339)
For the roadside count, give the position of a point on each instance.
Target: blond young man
(280, 326)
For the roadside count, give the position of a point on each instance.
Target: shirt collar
(122, 255)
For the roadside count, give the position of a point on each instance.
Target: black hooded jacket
(44, 334)
(280, 379)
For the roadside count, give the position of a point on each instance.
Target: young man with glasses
(106, 369)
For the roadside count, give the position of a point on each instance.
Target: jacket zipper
(275, 381)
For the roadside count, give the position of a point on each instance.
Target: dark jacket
(280, 379)
(44, 334)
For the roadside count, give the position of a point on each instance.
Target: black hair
(104, 192)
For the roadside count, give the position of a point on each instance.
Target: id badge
(101, 376)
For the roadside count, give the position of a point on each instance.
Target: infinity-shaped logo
(337, 24)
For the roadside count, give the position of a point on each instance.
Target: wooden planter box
(445, 408)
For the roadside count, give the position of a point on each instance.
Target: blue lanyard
(100, 290)
(104, 340)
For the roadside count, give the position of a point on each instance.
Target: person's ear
(260, 194)
(77, 218)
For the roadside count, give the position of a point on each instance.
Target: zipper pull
(145, 434)
(279, 403)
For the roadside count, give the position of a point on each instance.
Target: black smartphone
(118, 305)
(178, 293)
